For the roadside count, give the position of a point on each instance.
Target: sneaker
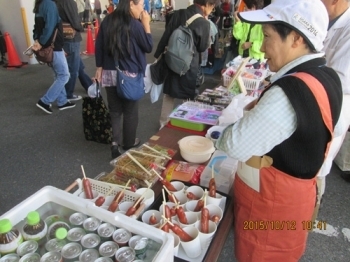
(137, 143)
(74, 98)
(66, 106)
(46, 108)
(115, 151)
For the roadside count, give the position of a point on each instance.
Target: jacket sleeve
(143, 39)
(71, 11)
(50, 17)
(99, 45)
(238, 30)
(201, 30)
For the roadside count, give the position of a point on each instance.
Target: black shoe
(137, 143)
(66, 106)
(115, 151)
(46, 108)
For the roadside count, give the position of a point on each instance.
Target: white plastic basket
(250, 84)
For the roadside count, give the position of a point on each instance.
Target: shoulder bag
(45, 55)
(129, 87)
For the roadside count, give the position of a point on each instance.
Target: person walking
(81, 8)
(48, 25)
(69, 14)
(98, 10)
(87, 11)
(282, 141)
(128, 23)
(184, 87)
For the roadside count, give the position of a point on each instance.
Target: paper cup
(146, 216)
(176, 243)
(181, 197)
(192, 218)
(214, 210)
(178, 185)
(95, 195)
(205, 238)
(124, 206)
(214, 200)
(169, 204)
(108, 201)
(148, 197)
(196, 190)
(191, 205)
(193, 247)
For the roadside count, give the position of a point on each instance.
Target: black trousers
(124, 117)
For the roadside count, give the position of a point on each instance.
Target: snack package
(184, 171)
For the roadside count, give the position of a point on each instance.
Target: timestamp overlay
(283, 225)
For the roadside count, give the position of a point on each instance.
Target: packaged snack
(184, 171)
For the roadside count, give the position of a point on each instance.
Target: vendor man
(283, 140)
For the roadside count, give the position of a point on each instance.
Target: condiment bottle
(35, 228)
(10, 238)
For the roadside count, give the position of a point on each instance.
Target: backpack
(180, 49)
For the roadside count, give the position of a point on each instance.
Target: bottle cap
(5, 226)
(33, 218)
(61, 233)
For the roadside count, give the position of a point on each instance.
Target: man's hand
(36, 46)
(246, 45)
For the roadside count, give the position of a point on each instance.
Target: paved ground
(37, 149)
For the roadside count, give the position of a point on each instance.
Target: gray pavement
(37, 149)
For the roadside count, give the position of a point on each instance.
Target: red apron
(271, 221)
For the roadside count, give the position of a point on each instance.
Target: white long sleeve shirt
(269, 123)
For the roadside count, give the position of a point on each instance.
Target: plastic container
(10, 237)
(188, 125)
(35, 228)
(250, 84)
(196, 149)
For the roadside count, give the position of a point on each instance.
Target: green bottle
(10, 238)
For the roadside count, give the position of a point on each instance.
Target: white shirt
(268, 124)
(337, 48)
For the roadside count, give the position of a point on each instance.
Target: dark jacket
(46, 21)
(68, 11)
(184, 87)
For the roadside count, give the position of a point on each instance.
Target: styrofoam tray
(51, 194)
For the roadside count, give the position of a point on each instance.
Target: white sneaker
(74, 98)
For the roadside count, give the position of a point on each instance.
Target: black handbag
(159, 70)
(96, 119)
(128, 87)
(45, 55)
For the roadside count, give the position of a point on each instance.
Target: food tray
(188, 125)
(50, 200)
(250, 84)
(224, 204)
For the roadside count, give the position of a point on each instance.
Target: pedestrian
(81, 8)
(282, 141)
(184, 87)
(47, 25)
(129, 23)
(69, 14)
(98, 10)
(249, 35)
(87, 11)
(336, 47)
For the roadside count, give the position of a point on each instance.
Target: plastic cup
(124, 206)
(214, 200)
(214, 210)
(181, 197)
(191, 205)
(196, 190)
(108, 201)
(205, 238)
(192, 218)
(178, 185)
(146, 216)
(192, 248)
(176, 243)
(95, 195)
(148, 197)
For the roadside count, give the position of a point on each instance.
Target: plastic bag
(93, 91)
(156, 90)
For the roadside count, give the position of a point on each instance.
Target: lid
(61, 233)
(33, 218)
(196, 145)
(5, 226)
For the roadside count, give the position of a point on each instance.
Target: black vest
(303, 153)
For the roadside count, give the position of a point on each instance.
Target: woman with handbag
(125, 34)
(47, 31)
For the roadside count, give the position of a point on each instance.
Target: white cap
(308, 17)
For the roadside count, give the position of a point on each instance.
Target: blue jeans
(76, 68)
(57, 90)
